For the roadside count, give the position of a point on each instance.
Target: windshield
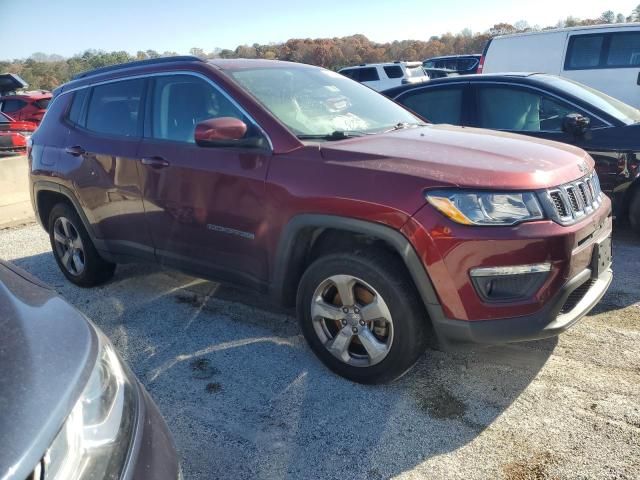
(617, 109)
(317, 102)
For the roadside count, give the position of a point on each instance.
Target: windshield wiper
(402, 126)
(335, 135)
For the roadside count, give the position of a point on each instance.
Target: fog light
(509, 284)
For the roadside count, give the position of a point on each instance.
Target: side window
(624, 50)
(438, 105)
(369, 74)
(12, 105)
(505, 108)
(114, 108)
(77, 104)
(180, 102)
(584, 52)
(393, 71)
(352, 73)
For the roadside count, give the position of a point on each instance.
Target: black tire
(389, 278)
(634, 211)
(95, 270)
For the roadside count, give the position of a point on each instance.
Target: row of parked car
(20, 114)
(379, 228)
(551, 106)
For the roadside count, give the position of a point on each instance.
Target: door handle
(76, 150)
(638, 79)
(155, 162)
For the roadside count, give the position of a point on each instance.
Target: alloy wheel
(352, 320)
(69, 246)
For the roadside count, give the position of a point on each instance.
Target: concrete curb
(15, 202)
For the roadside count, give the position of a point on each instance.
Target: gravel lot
(245, 397)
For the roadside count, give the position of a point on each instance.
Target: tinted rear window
(584, 51)
(77, 103)
(42, 103)
(114, 108)
(12, 105)
(393, 71)
(369, 74)
(624, 50)
(438, 105)
(352, 73)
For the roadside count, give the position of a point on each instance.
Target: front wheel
(361, 315)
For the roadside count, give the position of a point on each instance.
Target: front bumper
(574, 300)
(153, 454)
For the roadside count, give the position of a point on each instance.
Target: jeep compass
(294, 180)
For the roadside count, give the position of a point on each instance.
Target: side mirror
(221, 132)
(575, 124)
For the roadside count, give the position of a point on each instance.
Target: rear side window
(584, 51)
(624, 50)
(393, 71)
(369, 74)
(77, 104)
(43, 103)
(114, 108)
(438, 105)
(351, 73)
(12, 105)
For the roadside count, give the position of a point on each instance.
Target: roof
(385, 64)
(633, 25)
(249, 63)
(468, 55)
(30, 95)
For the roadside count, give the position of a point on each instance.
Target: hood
(47, 351)
(467, 157)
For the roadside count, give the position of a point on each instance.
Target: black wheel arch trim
(392, 237)
(46, 186)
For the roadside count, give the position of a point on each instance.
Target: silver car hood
(47, 351)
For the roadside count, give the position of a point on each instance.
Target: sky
(67, 27)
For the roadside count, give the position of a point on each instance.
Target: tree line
(44, 71)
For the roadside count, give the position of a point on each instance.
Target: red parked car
(294, 180)
(14, 135)
(28, 107)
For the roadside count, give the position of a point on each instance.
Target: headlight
(94, 441)
(486, 208)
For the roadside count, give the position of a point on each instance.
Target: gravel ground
(245, 397)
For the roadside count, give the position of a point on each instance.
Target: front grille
(574, 297)
(559, 204)
(570, 202)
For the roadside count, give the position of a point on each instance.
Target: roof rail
(138, 63)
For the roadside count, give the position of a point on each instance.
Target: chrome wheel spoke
(345, 284)
(77, 262)
(376, 349)
(66, 259)
(77, 243)
(65, 227)
(59, 237)
(321, 309)
(375, 310)
(339, 345)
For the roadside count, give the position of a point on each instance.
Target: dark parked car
(298, 181)
(70, 409)
(461, 64)
(549, 107)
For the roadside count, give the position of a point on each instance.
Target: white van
(605, 57)
(382, 76)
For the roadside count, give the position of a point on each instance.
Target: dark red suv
(295, 180)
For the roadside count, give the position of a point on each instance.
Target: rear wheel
(361, 315)
(74, 251)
